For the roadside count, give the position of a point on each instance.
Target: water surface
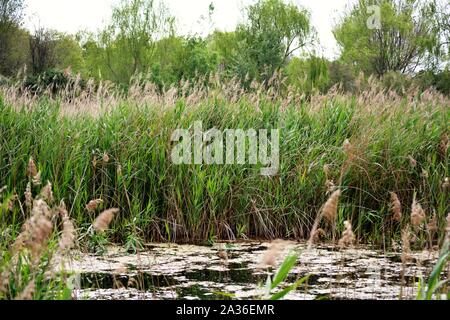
(169, 271)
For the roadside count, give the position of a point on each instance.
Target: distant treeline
(408, 46)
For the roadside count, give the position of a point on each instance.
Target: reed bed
(358, 159)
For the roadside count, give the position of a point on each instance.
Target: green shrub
(52, 80)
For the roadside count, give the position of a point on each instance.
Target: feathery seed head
(348, 237)
(32, 169)
(396, 207)
(28, 196)
(93, 205)
(330, 207)
(102, 222)
(46, 192)
(417, 214)
(37, 179)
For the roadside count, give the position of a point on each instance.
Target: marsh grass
(103, 144)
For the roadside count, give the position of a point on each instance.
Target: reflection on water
(168, 271)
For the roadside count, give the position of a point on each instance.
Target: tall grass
(108, 146)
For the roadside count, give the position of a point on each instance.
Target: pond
(170, 271)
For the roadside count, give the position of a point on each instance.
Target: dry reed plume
(32, 169)
(432, 225)
(406, 249)
(412, 162)
(47, 193)
(348, 148)
(97, 98)
(270, 256)
(417, 215)
(396, 207)
(35, 231)
(105, 158)
(317, 235)
(446, 184)
(348, 237)
(68, 235)
(329, 210)
(444, 144)
(28, 292)
(223, 255)
(102, 222)
(93, 205)
(448, 223)
(28, 196)
(447, 231)
(37, 179)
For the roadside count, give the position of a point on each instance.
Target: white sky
(71, 16)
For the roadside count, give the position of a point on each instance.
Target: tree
(402, 43)
(18, 53)
(226, 46)
(11, 14)
(440, 9)
(273, 32)
(68, 53)
(42, 49)
(308, 74)
(129, 40)
(196, 60)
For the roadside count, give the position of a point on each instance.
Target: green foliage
(12, 47)
(126, 46)
(397, 82)
(17, 51)
(343, 75)
(226, 46)
(202, 199)
(281, 276)
(53, 79)
(308, 74)
(22, 273)
(439, 80)
(274, 30)
(405, 39)
(434, 283)
(69, 54)
(140, 42)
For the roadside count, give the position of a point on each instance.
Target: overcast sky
(71, 16)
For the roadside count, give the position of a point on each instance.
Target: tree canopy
(404, 41)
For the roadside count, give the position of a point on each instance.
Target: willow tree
(403, 40)
(274, 30)
(127, 44)
(11, 16)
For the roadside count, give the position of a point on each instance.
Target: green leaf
(434, 277)
(284, 292)
(284, 269)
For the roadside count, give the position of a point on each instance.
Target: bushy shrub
(308, 75)
(395, 81)
(343, 75)
(3, 80)
(440, 80)
(52, 81)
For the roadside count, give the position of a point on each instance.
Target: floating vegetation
(168, 271)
